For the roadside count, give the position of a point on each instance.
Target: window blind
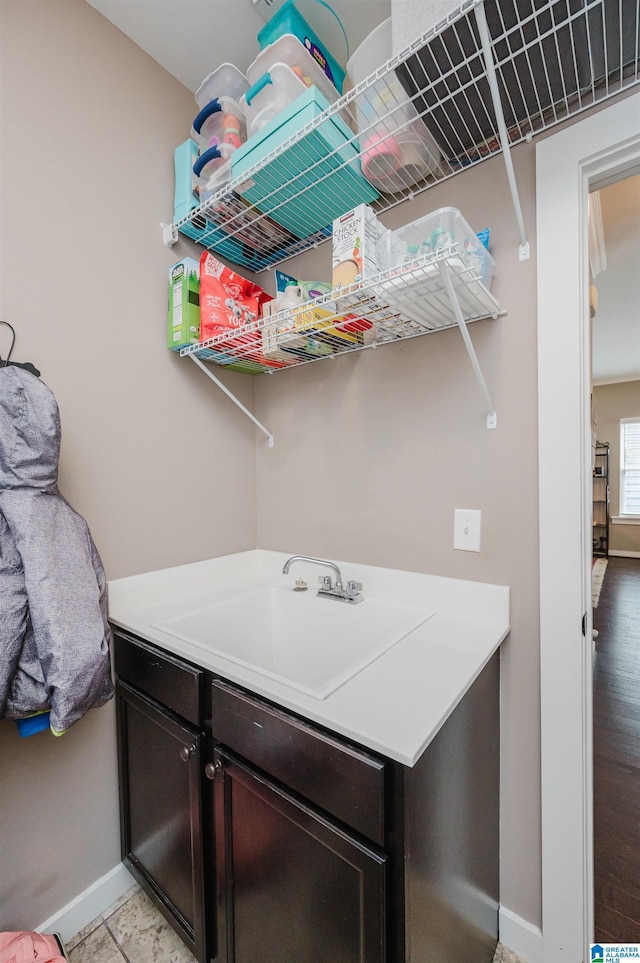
(630, 466)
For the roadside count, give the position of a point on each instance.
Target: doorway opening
(569, 165)
(614, 257)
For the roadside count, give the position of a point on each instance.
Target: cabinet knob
(186, 752)
(212, 769)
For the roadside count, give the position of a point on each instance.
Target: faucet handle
(325, 581)
(353, 587)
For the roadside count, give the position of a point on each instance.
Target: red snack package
(227, 300)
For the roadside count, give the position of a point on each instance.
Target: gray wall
(611, 403)
(160, 465)
(372, 452)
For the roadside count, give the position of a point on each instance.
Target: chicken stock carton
(356, 251)
(358, 255)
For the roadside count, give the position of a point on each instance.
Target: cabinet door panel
(298, 889)
(161, 811)
(346, 782)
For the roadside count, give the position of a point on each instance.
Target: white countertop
(397, 703)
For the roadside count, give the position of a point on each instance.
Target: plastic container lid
(374, 51)
(226, 81)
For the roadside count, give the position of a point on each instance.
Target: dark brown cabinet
(265, 838)
(160, 764)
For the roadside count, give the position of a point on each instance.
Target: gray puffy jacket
(54, 634)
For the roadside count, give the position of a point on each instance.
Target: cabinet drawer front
(169, 680)
(341, 779)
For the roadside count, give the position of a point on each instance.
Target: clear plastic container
(274, 92)
(288, 20)
(220, 115)
(278, 76)
(226, 81)
(221, 119)
(397, 151)
(444, 228)
(213, 170)
(288, 50)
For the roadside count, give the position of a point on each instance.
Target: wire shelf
(550, 59)
(407, 302)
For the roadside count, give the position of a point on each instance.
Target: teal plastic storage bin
(289, 20)
(324, 165)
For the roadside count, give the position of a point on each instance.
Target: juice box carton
(184, 304)
(356, 251)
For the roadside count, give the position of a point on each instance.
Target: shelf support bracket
(483, 29)
(169, 234)
(492, 418)
(233, 398)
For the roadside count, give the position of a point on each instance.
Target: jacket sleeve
(66, 593)
(13, 614)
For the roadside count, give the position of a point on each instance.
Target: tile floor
(130, 931)
(133, 931)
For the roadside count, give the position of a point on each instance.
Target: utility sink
(309, 643)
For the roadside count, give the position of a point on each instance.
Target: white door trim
(568, 164)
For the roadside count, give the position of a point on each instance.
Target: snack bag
(227, 300)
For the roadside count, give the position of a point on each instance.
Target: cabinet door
(161, 816)
(292, 886)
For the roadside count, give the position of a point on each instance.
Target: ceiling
(616, 327)
(190, 38)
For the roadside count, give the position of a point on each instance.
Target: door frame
(579, 159)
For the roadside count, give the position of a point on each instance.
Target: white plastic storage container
(442, 230)
(218, 98)
(226, 81)
(397, 150)
(289, 50)
(278, 76)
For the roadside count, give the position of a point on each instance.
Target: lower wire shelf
(406, 302)
(429, 294)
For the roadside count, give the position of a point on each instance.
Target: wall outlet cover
(466, 529)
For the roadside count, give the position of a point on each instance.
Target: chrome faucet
(352, 593)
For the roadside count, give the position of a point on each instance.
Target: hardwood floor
(616, 748)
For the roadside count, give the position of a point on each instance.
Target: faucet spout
(316, 561)
(352, 593)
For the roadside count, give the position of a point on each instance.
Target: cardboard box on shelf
(184, 304)
(356, 253)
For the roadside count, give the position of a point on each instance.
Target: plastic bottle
(291, 297)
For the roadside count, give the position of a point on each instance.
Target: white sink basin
(310, 643)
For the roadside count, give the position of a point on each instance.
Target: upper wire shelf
(490, 75)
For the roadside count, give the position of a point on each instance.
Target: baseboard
(91, 903)
(520, 936)
(620, 554)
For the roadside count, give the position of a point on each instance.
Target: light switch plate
(466, 529)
